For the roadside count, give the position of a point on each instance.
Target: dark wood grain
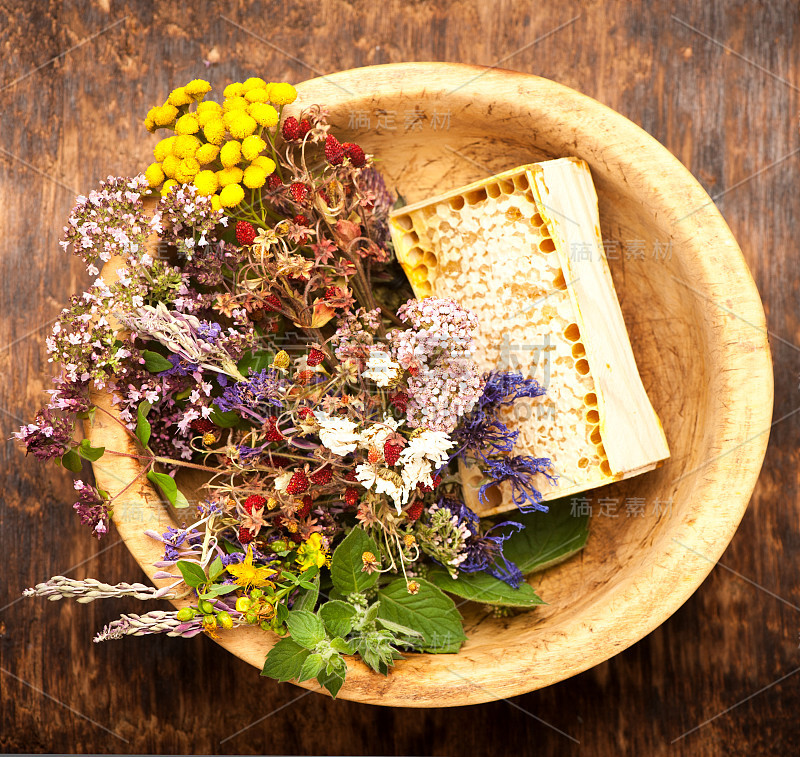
(726, 107)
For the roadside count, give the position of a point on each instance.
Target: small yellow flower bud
(264, 115)
(209, 438)
(197, 88)
(230, 154)
(409, 540)
(231, 195)
(163, 148)
(207, 153)
(268, 164)
(243, 604)
(282, 93)
(229, 176)
(187, 124)
(154, 175)
(206, 183)
(224, 619)
(413, 587)
(254, 177)
(184, 614)
(214, 131)
(281, 361)
(179, 97)
(252, 147)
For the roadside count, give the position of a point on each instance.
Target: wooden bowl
(699, 337)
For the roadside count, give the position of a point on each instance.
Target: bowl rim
(640, 604)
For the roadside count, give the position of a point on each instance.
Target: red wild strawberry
(254, 502)
(333, 151)
(303, 377)
(332, 292)
(273, 182)
(298, 483)
(351, 496)
(245, 535)
(322, 476)
(355, 153)
(350, 475)
(391, 453)
(273, 435)
(305, 127)
(290, 129)
(305, 509)
(245, 233)
(414, 510)
(373, 456)
(272, 302)
(435, 480)
(315, 357)
(400, 401)
(202, 425)
(301, 220)
(306, 413)
(298, 191)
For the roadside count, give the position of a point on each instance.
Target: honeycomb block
(523, 250)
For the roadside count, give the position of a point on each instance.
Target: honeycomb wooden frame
(523, 249)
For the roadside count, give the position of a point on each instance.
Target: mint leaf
(346, 563)
(155, 362)
(338, 617)
(142, 424)
(166, 483)
(481, 587)
(255, 362)
(215, 569)
(227, 419)
(219, 589)
(87, 452)
(71, 461)
(312, 665)
(180, 500)
(430, 611)
(548, 538)
(332, 680)
(342, 646)
(192, 573)
(396, 628)
(308, 599)
(305, 628)
(285, 660)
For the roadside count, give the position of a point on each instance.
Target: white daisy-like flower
(282, 481)
(430, 445)
(368, 476)
(376, 434)
(381, 368)
(337, 434)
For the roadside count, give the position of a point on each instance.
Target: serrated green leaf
(71, 461)
(481, 587)
(548, 538)
(337, 617)
(332, 680)
(285, 660)
(143, 429)
(342, 646)
(87, 452)
(215, 569)
(166, 484)
(346, 564)
(430, 611)
(396, 628)
(155, 362)
(312, 665)
(308, 598)
(306, 628)
(192, 573)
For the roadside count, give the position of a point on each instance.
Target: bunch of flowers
(241, 325)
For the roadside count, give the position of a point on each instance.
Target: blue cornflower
(519, 471)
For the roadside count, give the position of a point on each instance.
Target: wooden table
(717, 84)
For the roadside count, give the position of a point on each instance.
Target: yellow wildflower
(154, 175)
(234, 89)
(206, 182)
(247, 574)
(215, 203)
(234, 103)
(258, 95)
(170, 165)
(179, 96)
(254, 177)
(163, 115)
(268, 164)
(163, 148)
(187, 170)
(197, 88)
(239, 123)
(313, 551)
(254, 82)
(187, 124)
(207, 153)
(282, 93)
(230, 154)
(252, 146)
(281, 361)
(231, 195)
(232, 175)
(209, 106)
(265, 115)
(167, 187)
(149, 123)
(215, 131)
(185, 146)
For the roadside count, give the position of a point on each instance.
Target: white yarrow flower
(376, 434)
(381, 368)
(337, 434)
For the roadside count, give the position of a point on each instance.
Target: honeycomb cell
(404, 222)
(476, 196)
(506, 186)
(595, 437)
(547, 245)
(537, 221)
(605, 468)
(578, 350)
(414, 256)
(590, 399)
(493, 190)
(430, 260)
(521, 182)
(593, 417)
(558, 281)
(457, 202)
(582, 366)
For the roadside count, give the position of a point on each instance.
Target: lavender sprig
(157, 621)
(89, 589)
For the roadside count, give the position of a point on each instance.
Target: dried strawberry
(298, 191)
(301, 220)
(306, 507)
(355, 153)
(306, 413)
(245, 233)
(254, 502)
(290, 129)
(272, 302)
(414, 510)
(273, 435)
(322, 476)
(391, 453)
(315, 357)
(351, 496)
(202, 425)
(245, 535)
(274, 182)
(400, 401)
(350, 476)
(435, 480)
(298, 483)
(305, 127)
(333, 150)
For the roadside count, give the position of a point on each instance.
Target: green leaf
(142, 424)
(155, 362)
(87, 452)
(338, 617)
(192, 573)
(180, 500)
(71, 461)
(340, 645)
(334, 679)
(285, 660)
(254, 362)
(166, 483)
(548, 538)
(396, 628)
(219, 589)
(430, 611)
(227, 419)
(312, 665)
(305, 628)
(346, 564)
(481, 587)
(215, 569)
(308, 599)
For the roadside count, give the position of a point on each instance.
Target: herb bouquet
(251, 323)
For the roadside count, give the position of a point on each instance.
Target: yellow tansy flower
(197, 88)
(233, 89)
(209, 106)
(254, 177)
(206, 182)
(264, 114)
(230, 154)
(259, 95)
(227, 176)
(239, 123)
(149, 123)
(185, 146)
(214, 131)
(254, 82)
(154, 174)
(187, 170)
(187, 124)
(207, 153)
(247, 574)
(163, 115)
(252, 147)
(282, 93)
(215, 203)
(268, 164)
(170, 165)
(179, 97)
(234, 103)
(204, 115)
(312, 552)
(231, 195)
(163, 148)
(167, 187)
